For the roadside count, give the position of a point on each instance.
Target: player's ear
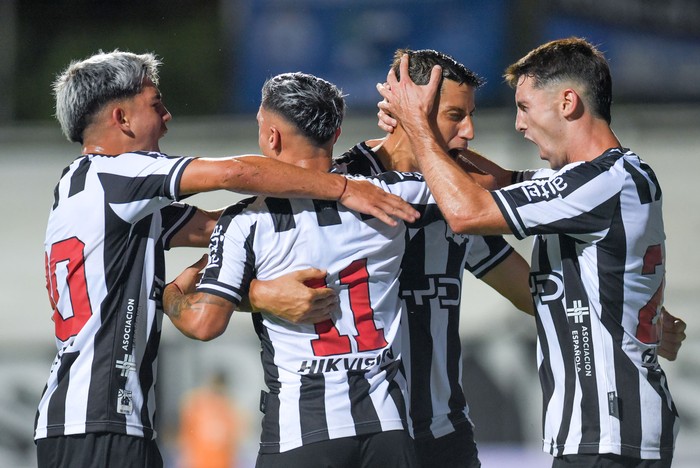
(274, 139)
(337, 135)
(571, 104)
(119, 117)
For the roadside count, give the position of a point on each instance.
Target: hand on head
(407, 102)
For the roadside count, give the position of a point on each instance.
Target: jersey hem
(622, 450)
(338, 433)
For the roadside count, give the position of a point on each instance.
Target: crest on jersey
(125, 402)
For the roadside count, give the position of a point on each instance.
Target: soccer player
(112, 218)
(432, 268)
(336, 396)
(598, 260)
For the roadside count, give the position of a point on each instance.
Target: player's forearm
(192, 315)
(260, 175)
(467, 207)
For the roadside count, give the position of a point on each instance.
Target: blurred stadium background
(216, 55)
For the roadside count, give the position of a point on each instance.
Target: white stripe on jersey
(334, 379)
(105, 270)
(597, 276)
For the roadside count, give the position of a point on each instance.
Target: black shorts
(98, 450)
(454, 450)
(391, 449)
(607, 460)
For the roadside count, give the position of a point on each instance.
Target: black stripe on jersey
(281, 211)
(270, 403)
(312, 408)
(643, 188)
(326, 212)
(652, 175)
(395, 392)
(147, 379)
(669, 414)
(175, 217)
(363, 411)
(56, 413)
(595, 219)
(545, 371)
(77, 179)
(578, 312)
(122, 189)
(121, 309)
(421, 357)
(55, 189)
(457, 401)
(561, 325)
(611, 267)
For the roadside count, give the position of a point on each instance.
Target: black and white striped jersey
(338, 378)
(597, 278)
(111, 219)
(431, 285)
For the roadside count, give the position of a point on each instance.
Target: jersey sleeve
(485, 253)
(231, 265)
(175, 216)
(577, 200)
(138, 184)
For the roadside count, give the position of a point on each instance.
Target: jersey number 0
(68, 254)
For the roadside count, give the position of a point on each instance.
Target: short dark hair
(85, 86)
(421, 62)
(571, 59)
(314, 105)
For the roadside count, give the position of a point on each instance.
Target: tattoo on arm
(175, 302)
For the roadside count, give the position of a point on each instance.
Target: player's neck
(309, 157)
(594, 140)
(114, 146)
(395, 152)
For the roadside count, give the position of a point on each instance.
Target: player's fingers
(391, 79)
(382, 88)
(666, 355)
(382, 216)
(403, 68)
(669, 352)
(678, 326)
(399, 208)
(385, 121)
(435, 77)
(325, 299)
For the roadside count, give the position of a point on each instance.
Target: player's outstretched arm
(672, 335)
(200, 316)
(293, 297)
(267, 176)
